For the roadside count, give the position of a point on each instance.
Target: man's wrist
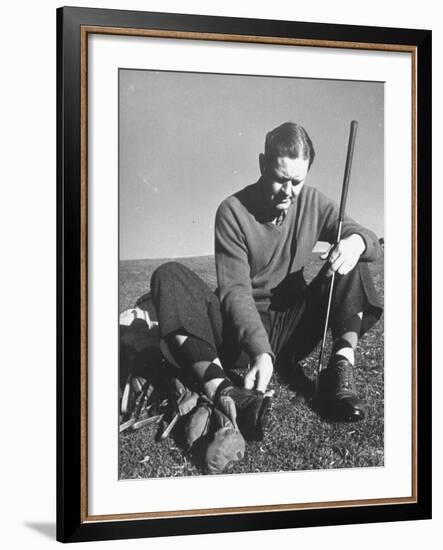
(265, 356)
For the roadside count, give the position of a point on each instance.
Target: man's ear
(261, 162)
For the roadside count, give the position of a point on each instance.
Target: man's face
(283, 180)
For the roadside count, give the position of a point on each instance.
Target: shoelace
(345, 376)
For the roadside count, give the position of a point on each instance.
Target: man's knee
(166, 273)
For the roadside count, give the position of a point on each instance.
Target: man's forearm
(264, 357)
(234, 284)
(329, 215)
(240, 311)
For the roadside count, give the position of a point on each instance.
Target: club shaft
(344, 196)
(325, 328)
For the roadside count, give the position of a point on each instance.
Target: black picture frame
(73, 523)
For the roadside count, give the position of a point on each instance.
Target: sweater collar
(264, 212)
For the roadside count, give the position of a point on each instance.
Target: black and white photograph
(251, 274)
(220, 229)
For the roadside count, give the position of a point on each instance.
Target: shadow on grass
(295, 378)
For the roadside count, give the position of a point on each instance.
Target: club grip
(349, 155)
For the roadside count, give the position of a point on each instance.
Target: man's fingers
(261, 383)
(261, 386)
(262, 380)
(337, 263)
(345, 268)
(255, 379)
(250, 379)
(334, 255)
(325, 255)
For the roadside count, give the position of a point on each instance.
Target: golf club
(344, 194)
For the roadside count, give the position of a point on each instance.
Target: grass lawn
(298, 439)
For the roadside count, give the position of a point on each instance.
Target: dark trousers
(185, 304)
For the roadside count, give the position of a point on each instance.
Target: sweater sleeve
(234, 284)
(329, 213)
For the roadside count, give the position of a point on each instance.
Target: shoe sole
(340, 413)
(356, 416)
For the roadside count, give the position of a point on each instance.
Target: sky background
(189, 140)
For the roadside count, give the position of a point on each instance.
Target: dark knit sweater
(258, 263)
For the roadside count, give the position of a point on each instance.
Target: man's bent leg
(201, 361)
(184, 302)
(190, 323)
(354, 309)
(345, 343)
(337, 387)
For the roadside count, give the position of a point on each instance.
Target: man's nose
(287, 188)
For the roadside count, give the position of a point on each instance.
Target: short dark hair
(289, 140)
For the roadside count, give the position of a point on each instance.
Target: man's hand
(260, 373)
(343, 257)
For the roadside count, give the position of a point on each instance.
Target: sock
(193, 350)
(200, 359)
(344, 345)
(345, 352)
